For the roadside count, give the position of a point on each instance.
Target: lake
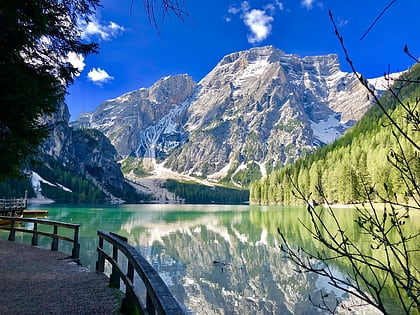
(216, 259)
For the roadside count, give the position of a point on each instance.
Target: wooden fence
(13, 228)
(12, 207)
(159, 299)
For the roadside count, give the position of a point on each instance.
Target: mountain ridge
(358, 162)
(77, 166)
(256, 111)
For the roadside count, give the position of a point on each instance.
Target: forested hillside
(196, 193)
(357, 160)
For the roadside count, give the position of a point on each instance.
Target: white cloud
(115, 27)
(258, 21)
(99, 76)
(308, 4)
(234, 10)
(96, 29)
(77, 61)
(259, 24)
(279, 5)
(342, 22)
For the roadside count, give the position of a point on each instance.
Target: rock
(87, 153)
(254, 112)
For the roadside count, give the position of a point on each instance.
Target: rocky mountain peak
(172, 89)
(72, 157)
(255, 111)
(130, 121)
(269, 53)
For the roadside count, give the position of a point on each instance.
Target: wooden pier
(12, 208)
(35, 213)
(13, 204)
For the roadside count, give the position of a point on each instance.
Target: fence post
(25, 204)
(35, 235)
(54, 243)
(12, 231)
(114, 278)
(129, 301)
(76, 246)
(100, 263)
(150, 307)
(13, 207)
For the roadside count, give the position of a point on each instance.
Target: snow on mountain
(326, 131)
(150, 139)
(36, 181)
(384, 82)
(143, 121)
(255, 111)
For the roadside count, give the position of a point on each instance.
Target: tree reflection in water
(215, 259)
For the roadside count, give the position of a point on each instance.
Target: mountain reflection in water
(215, 259)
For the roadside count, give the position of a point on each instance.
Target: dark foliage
(16, 188)
(195, 193)
(82, 189)
(36, 37)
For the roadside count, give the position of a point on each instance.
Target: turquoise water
(216, 259)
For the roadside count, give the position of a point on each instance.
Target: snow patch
(121, 99)
(36, 181)
(263, 238)
(220, 231)
(262, 167)
(254, 69)
(241, 237)
(333, 79)
(240, 168)
(382, 83)
(328, 130)
(220, 174)
(149, 137)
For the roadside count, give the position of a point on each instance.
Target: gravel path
(38, 281)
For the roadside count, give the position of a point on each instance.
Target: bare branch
(377, 18)
(368, 87)
(163, 8)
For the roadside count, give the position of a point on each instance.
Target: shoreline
(40, 201)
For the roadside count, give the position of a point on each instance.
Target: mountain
(75, 165)
(145, 122)
(372, 155)
(256, 111)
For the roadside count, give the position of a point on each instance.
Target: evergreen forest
(78, 188)
(355, 162)
(196, 193)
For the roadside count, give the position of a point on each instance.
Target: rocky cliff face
(59, 144)
(255, 111)
(144, 122)
(86, 153)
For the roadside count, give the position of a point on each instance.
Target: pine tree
(36, 38)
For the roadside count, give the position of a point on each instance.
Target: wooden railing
(13, 228)
(15, 204)
(159, 299)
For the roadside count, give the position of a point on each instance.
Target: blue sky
(133, 54)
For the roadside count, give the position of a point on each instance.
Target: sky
(134, 53)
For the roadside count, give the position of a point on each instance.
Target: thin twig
(377, 18)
